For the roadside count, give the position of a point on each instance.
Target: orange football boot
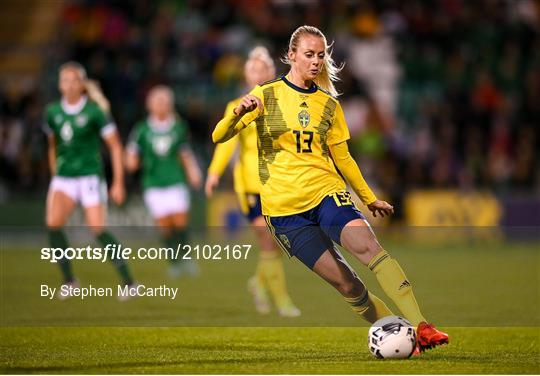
(427, 337)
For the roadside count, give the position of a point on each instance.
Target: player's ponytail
(329, 71)
(261, 53)
(92, 88)
(94, 93)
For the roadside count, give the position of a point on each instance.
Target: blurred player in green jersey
(74, 126)
(159, 145)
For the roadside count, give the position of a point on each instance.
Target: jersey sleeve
(134, 144)
(222, 155)
(224, 152)
(104, 122)
(348, 167)
(253, 115)
(230, 125)
(338, 132)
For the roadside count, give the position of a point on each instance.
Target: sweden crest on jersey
(303, 118)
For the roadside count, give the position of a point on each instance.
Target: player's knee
(351, 288)
(96, 230)
(53, 223)
(368, 248)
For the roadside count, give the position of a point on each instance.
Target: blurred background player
(269, 276)
(303, 136)
(160, 144)
(74, 126)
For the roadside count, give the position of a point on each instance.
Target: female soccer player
(302, 137)
(269, 275)
(160, 141)
(74, 126)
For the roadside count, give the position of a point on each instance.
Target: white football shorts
(89, 190)
(164, 201)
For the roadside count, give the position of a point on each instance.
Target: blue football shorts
(308, 235)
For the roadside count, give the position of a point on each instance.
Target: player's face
(309, 56)
(160, 104)
(71, 84)
(257, 72)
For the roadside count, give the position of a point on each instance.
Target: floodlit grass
(485, 295)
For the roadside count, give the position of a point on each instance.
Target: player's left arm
(107, 130)
(348, 167)
(337, 143)
(191, 166)
(118, 191)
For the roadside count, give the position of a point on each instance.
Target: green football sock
(57, 239)
(179, 238)
(106, 238)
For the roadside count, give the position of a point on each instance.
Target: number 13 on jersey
(303, 141)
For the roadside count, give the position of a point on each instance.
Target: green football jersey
(77, 130)
(158, 148)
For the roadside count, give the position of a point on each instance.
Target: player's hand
(247, 104)
(118, 193)
(381, 207)
(195, 180)
(212, 181)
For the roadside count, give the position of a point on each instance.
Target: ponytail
(92, 87)
(94, 93)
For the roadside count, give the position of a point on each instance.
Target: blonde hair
(92, 87)
(261, 53)
(329, 71)
(163, 88)
(73, 65)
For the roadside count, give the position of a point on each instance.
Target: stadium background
(442, 99)
(438, 94)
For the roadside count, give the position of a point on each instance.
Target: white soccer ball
(392, 337)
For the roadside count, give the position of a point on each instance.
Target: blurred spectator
(437, 94)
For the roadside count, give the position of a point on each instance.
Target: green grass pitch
(484, 294)
(256, 350)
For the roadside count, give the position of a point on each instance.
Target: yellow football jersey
(246, 168)
(296, 170)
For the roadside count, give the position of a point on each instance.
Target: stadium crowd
(437, 93)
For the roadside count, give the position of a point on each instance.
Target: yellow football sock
(369, 307)
(271, 270)
(396, 285)
(259, 274)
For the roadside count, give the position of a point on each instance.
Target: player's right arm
(51, 153)
(51, 140)
(241, 117)
(222, 155)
